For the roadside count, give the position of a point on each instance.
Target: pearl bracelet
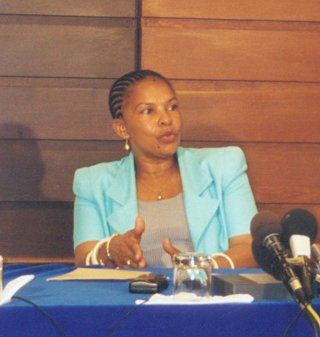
(92, 257)
(228, 258)
(108, 246)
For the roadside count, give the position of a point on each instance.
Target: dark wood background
(245, 74)
(57, 61)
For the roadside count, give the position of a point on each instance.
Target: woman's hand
(169, 248)
(125, 250)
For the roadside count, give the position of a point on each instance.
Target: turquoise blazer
(218, 199)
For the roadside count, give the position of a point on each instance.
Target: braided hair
(121, 85)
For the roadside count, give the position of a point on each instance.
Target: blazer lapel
(123, 194)
(200, 205)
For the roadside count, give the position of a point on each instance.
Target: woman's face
(152, 118)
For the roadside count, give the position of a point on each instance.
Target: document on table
(98, 274)
(190, 298)
(13, 287)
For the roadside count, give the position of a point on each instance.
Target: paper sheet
(13, 286)
(189, 298)
(98, 274)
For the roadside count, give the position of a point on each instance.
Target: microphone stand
(307, 276)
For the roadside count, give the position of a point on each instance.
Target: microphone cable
(294, 320)
(119, 323)
(116, 327)
(53, 321)
(312, 315)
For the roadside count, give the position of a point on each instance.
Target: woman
(161, 198)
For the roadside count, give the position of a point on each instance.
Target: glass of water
(192, 273)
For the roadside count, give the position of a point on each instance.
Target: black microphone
(272, 256)
(299, 231)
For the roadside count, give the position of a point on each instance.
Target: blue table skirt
(95, 308)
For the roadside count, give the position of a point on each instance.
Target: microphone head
(263, 224)
(265, 260)
(299, 221)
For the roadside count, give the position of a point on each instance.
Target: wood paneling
(284, 173)
(36, 46)
(223, 111)
(43, 170)
(57, 61)
(36, 232)
(106, 8)
(250, 111)
(293, 10)
(281, 209)
(54, 109)
(206, 49)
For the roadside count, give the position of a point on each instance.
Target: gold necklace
(159, 194)
(170, 178)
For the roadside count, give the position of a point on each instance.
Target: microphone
(299, 230)
(272, 256)
(263, 224)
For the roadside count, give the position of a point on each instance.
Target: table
(106, 308)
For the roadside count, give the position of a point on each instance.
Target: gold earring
(127, 145)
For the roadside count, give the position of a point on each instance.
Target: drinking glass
(192, 273)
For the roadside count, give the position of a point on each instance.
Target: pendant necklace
(159, 194)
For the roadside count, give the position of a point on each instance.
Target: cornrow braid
(121, 85)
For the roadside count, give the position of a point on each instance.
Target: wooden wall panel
(200, 49)
(36, 170)
(281, 209)
(57, 61)
(292, 10)
(36, 232)
(222, 111)
(284, 173)
(250, 111)
(100, 8)
(55, 109)
(37, 46)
